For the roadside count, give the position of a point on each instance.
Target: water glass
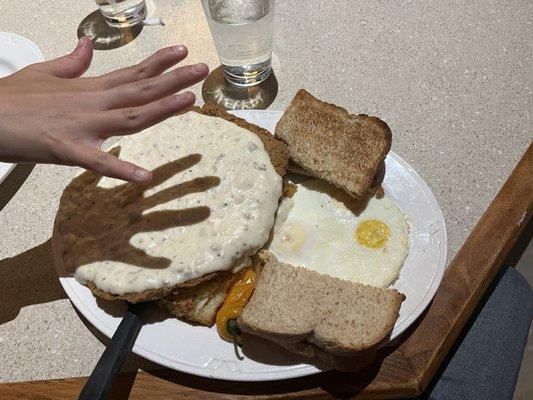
(242, 31)
(122, 13)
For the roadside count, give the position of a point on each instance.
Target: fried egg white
(323, 229)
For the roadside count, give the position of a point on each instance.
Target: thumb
(72, 65)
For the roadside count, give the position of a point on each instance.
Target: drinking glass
(122, 13)
(242, 31)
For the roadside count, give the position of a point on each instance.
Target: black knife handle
(99, 383)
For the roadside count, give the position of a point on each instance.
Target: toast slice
(296, 308)
(327, 142)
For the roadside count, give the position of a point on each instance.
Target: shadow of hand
(28, 278)
(97, 223)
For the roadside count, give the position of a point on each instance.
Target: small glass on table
(242, 31)
(122, 13)
(114, 24)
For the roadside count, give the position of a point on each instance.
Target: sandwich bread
(319, 316)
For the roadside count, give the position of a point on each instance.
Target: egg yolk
(236, 299)
(372, 233)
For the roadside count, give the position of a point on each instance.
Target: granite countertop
(452, 79)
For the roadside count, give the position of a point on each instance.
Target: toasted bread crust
(327, 142)
(375, 187)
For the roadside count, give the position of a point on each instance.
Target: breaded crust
(289, 189)
(279, 156)
(148, 295)
(199, 303)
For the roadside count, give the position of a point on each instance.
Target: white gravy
(242, 208)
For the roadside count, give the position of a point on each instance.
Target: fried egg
(324, 229)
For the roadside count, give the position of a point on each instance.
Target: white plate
(199, 350)
(16, 52)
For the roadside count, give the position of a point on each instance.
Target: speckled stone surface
(452, 79)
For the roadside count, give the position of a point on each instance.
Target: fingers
(154, 65)
(124, 121)
(104, 163)
(148, 90)
(72, 65)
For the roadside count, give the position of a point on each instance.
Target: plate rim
(443, 256)
(8, 169)
(27, 41)
(300, 370)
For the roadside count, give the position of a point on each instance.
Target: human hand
(48, 114)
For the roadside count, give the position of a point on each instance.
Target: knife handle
(99, 383)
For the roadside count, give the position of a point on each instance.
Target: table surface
(451, 80)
